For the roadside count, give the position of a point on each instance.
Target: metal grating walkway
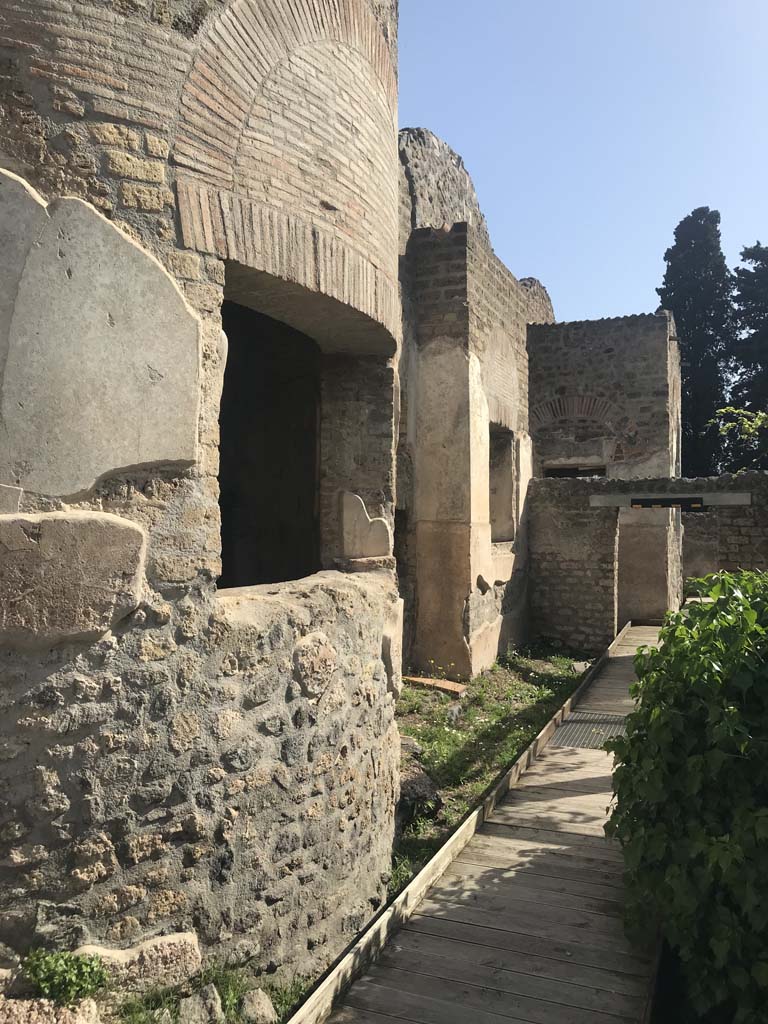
(588, 729)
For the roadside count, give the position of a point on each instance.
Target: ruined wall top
(436, 186)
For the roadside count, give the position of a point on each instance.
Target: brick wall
(573, 552)
(606, 392)
(501, 308)
(727, 537)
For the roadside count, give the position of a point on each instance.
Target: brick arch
(286, 149)
(237, 54)
(575, 407)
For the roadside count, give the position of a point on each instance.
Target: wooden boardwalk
(525, 924)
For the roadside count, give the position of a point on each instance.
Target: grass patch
(286, 998)
(467, 744)
(147, 1009)
(232, 984)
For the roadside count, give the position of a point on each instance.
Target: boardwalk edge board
(370, 943)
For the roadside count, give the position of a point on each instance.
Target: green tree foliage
(746, 437)
(691, 781)
(751, 350)
(698, 290)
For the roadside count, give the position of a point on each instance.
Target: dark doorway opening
(268, 451)
(569, 472)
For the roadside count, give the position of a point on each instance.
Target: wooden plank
(543, 889)
(609, 705)
(591, 930)
(444, 685)
(553, 816)
(551, 866)
(465, 996)
(371, 994)
(595, 847)
(615, 960)
(613, 682)
(576, 782)
(352, 1015)
(550, 869)
(438, 959)
(434, 934)
(535, 793)
(515, 909)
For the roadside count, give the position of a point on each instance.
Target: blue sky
(591, 127)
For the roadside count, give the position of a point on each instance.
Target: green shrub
(692, 786)
(64, 978)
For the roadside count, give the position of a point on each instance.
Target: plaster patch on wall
(67, 576)
(99, 351)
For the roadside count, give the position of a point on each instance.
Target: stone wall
(435, 187)
(727, 537)
(576, 565)
(724, 536)
(573, 565)
(227, 767)
(606, 394)
(172, 757)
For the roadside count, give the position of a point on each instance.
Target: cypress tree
(698, 290)
(751, 351)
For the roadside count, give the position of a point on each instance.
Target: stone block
(257, 1008)
(115, 135)
(157, 147)
(123, 165)
(157, 963)
(97, 338)
(10, 498)
(185, 265)
(43, 1011)
(67, 576)
(152, 198)
(314, 663)
(362, 537)
(203, 1007)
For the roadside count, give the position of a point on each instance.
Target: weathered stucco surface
(650, 573)
(97, 338)
(67, 576)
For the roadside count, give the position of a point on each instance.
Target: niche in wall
(571, 472)
(503, 484)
